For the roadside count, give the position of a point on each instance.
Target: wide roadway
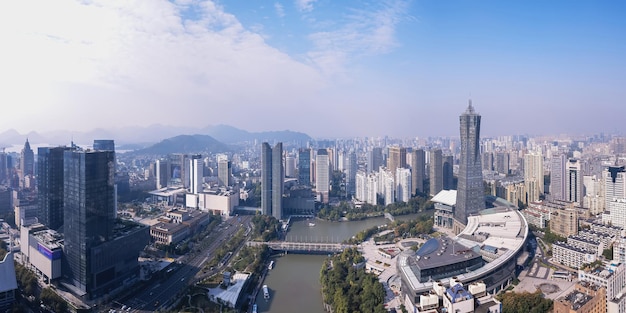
(164, 293)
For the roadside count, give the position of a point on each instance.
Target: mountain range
(145, 136)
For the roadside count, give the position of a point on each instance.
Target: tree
(608, 253)
(525, 302)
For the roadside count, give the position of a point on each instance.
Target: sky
(402, 68)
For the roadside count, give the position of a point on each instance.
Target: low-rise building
(571, 256)
(586, 298)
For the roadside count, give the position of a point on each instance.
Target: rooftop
(447, 197)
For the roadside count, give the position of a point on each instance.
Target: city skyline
(531, 68)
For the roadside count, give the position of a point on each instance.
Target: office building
(614, 196)
(448, 172)
(374, 160)
(50, 186)
(196, 174)
(224, 173)
(8, 282)
(351, 168)
(162, 173)
(574, 181)
(290, 166)
(487, 161)
(557, 177)
(272, 176)
(304, 167)
(418, 164)
(100, 257)
(533, 177)
(436, 171)
(396, 159)
(470, 190)
(322, 175)
(403, 184)
(502, 163)
(27, 161)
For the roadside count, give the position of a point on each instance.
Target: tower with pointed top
(27, 161)
(470, 197)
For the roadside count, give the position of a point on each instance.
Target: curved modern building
(487, 250)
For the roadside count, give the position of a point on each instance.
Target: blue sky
(327, 68)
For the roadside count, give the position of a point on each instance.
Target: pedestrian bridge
(304, 247)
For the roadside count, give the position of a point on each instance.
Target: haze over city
(326, 68)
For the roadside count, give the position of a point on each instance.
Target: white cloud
(305, 5)
(364, 32)
(104, 63)
(280, 11)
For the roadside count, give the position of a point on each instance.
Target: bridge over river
(304, 247)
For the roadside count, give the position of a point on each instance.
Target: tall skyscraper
(397, 158)
(4, 167)
(418, 163)
(290, 166)
(196, 177)
(374, 159)
(470, 197)
(448, 172)
(272, 175)
(403, 184)
(615, 196)
(487, 161)
(557, 177)
(574, 182)
(533, 176)
(27, 161)
(50, 186)
(304, 167)
(351, 168)
(89, 215)
(502, 163)
(436, 171)
(162, 173)
(322, 174)
(224, 172)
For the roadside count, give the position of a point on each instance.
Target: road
(188, 266)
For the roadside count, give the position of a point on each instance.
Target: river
(294, 282)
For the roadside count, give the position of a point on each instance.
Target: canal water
(294, 283)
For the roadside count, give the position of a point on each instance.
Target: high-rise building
(322, 175)
(162, 173)
(574, 181)
(4, 167)
(448, 172)
(351, 168)
(304, 167)
(89, 214)
(403, 184)
(272, 176)
(557, 177)
(436, 171)
(502, 163)
(615, 196)
(27, 161)
(470, 197)
(487, 161)
(418, 163)
(196, 174)
(224, 173)
(533, 176)
(50, 186)
(290, 166)
(374, 159)
(104, 145)
(396, 159)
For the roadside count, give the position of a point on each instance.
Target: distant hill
(149, 134)
(229, 134)
(185, 144)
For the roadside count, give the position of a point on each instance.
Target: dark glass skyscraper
(418, 163)
(27, 160)
(470, 196)
(374, 159)
(89, 214)
(50, 186)
(272, 174)
(304, 167)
